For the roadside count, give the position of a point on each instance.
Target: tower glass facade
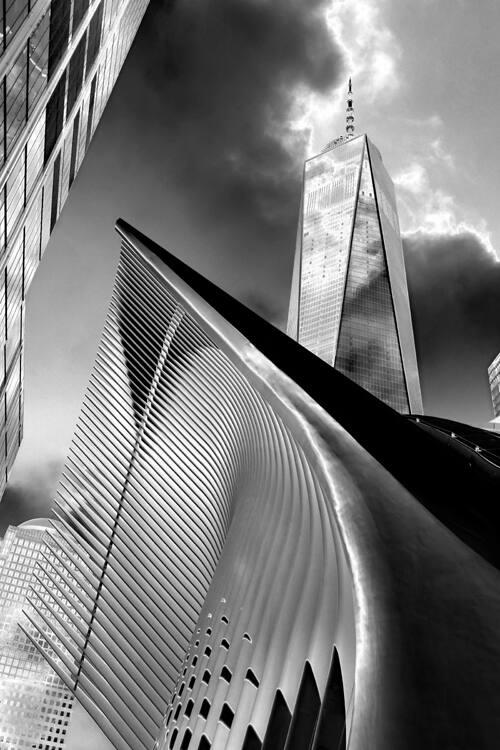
(59, 60)
(494, 378)
(349, 300)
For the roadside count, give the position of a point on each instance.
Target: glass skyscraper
(349, 300)
(35, 704)
(59, 60)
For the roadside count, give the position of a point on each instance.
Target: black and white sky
(201, 147)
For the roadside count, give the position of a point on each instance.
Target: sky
(201, 147)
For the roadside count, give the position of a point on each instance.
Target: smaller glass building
(35, 705)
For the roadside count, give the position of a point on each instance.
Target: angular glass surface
(59, 32)
(75, 77)
(330, 183)
(15, 83)
(15, 13)
(35, 151)
(15, 195)
(38, 49)
(80, 7)
(386, 203)
(368, 348)
(94, 42)
(54, 117)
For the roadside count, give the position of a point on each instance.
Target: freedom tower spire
(349, 301)
(349, 120)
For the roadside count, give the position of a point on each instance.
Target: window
(38, 61)
(247, 637)
(227, 715)
(15, 194)
(224, 619)
(226, 674)
(205, 708)
(55, 191)
(54, 117)
(204, 744)
(250, 676)
(173, 738)
(181, 689)
(208, 651)
(80, 7)
(15, 13)
(59, 33)
(15, 98)
(177, 712)
(206, 676)
(189, 708)
(91, 111)
(224, 643)
(74, 148)
(186, 739)
(195, 660)
(191, 682)
(94, 38)
(75, 77)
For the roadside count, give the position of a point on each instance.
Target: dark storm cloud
(220, 81)
(454, 285)
(31, 497)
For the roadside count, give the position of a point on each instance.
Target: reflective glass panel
(38, 61)
(15, 195)
(330, 184)
(94, 38)
(16, 99)
(80, 7)
(54, 116)
(368, 348)
(59, 32)
(15, 13)
(75, 76)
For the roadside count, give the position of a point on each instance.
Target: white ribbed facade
(249, 576)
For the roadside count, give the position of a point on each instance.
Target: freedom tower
(349, 301)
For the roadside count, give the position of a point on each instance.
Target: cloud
(429, 210)
(453, 283)
(371, 49)
(30, 495)
(223, 87)
(231, 71)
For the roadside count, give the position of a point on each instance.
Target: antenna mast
(349, 120)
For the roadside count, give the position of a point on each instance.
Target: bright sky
(201, 147)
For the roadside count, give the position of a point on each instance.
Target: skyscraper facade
(494, 378)
(35, 704)
(59, 60)
(246, 544)
(349, 301)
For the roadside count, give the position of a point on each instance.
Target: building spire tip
(349, 120)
